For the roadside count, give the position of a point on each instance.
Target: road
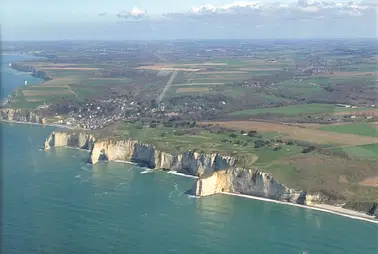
(167, 86)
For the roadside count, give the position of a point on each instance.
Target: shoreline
(319, 207)
(331, 209)
(50, 125)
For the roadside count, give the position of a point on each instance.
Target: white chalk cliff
(20, 115)
(77, 140)
(216, 173)
(191, 163)
(255, 183)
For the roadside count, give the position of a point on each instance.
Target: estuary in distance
(54, 202)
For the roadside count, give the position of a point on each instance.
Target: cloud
(135, 13)
(307, 6)
(103, 14)
(244, 19)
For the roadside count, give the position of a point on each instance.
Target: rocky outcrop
(370, 208)
(216, 173)
(27, 68)
(248, 182)
(21, 115)
(77, 140)
(191, 163)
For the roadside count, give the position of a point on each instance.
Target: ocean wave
(126, 162)
(146, 171)
(172, 172)
(85, 169)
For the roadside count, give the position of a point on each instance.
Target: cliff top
(289, 162)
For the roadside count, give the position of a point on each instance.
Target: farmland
(307, 118)
(294, 132)
(364, 151)
(305, 109)
(208, 140)
(290, 110)
(338, 177)
(363, 129)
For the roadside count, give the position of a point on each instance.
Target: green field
(293, 110)
(364, 129)
(339, 178)
(225, 142)
(197, 84)
(82, 85)
(95, 82)
(301, 88)
(365, 151)
(289, 110)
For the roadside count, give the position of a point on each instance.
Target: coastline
(48, 124)
(319, 207)
(18, 54)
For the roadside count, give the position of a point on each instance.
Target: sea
(55, 202)
(10, 78)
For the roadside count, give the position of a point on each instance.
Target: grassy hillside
(226, 142)
(300, 109)
(364, 129)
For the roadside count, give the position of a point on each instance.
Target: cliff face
(76, 140)
(217, 173)
(370, 208)
(28, 68)
(191, 163)
(20, 115)
(248, 182)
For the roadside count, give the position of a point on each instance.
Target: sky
(186, 19)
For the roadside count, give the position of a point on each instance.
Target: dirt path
(72, 91)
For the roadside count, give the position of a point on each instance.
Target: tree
(259, 143)
(154, 103)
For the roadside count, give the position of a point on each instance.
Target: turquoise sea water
(10, 78)
(54, 202)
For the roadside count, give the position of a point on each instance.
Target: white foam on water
(126, 162)
(146, 171)
(193, 196)
(181, 174)
(78, 176)
(175, 188)
(361, 216)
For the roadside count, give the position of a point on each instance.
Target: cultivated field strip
(298, 133)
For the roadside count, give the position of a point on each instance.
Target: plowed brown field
(297, 133)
